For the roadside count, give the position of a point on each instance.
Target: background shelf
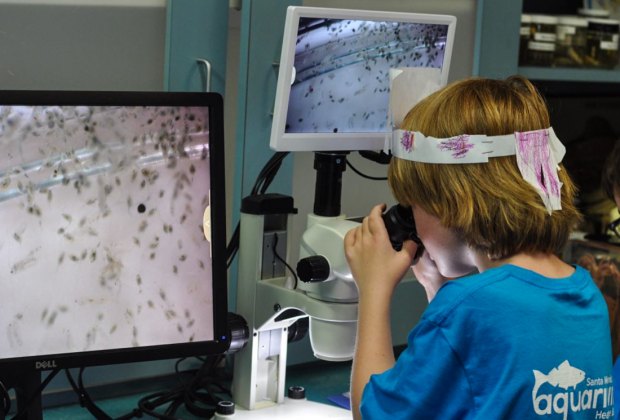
(568, 74)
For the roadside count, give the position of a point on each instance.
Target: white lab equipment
(271, 306)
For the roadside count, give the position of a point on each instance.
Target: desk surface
(320, 379)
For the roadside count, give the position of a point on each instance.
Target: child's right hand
(376, 266)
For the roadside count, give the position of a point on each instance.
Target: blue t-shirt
(504, 344)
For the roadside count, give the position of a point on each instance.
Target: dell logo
(47, 364)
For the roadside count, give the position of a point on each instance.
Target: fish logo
(561, 395)
(563, 376)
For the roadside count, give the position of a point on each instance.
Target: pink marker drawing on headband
(534, 152)
(459, 145)
(407, 140)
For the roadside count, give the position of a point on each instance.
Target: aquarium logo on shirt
(567, 389)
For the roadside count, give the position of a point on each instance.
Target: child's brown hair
(490, 204)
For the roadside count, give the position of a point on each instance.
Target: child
(518, 333)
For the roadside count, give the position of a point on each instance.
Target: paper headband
(538, 152)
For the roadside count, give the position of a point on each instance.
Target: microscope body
(332, 337)
(271, 306)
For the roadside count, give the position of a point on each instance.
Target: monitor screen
(333, 82)
(103, 258)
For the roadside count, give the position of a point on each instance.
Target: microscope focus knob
(313, 269)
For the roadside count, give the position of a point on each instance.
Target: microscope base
(290, 409)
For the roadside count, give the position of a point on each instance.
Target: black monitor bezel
(221, 342)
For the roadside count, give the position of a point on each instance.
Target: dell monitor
(333, 83)
(103, 257)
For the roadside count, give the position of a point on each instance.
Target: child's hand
(427, 274)
(375, 265)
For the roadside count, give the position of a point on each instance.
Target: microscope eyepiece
(400, 225)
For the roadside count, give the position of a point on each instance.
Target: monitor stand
(329, 167)
(25, 383)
